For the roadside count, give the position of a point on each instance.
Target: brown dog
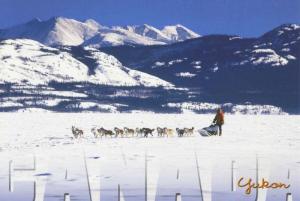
(119, 131)
(189, 131)
(129, 131)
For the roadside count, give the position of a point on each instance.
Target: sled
(209, 131)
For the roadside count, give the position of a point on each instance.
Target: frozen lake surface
(40, 160)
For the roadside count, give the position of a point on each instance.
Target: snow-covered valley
(40, 160)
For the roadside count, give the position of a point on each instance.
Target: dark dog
(160, 131)
(180, 132)
(147, 131)
(105, 132)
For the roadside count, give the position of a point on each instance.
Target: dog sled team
(214, 129)
(138, 132)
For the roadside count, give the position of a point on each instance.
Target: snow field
(171, 162)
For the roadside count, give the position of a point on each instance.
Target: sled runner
(208, 131)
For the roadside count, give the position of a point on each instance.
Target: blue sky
(242, 17)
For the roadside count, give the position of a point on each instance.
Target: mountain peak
(286, 27)
(289, 27)
(179, 32)
(282, 31)
(146, 26)
(180, 25)
(175, 26)
(92, 23)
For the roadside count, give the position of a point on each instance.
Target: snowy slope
(24, 60)
(28, 61)
(64, 31)
(118, 36)
(110, 71)
(179, 33)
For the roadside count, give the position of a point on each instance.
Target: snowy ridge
(118, 36)
(148, 31)
(138, 35)
(27, 61)
(64, 31)
(227, 107)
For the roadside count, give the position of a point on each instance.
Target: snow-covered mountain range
(189, 62)
(227, 68)
(65, 65)
(64, 31)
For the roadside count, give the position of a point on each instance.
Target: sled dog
(77, 132)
